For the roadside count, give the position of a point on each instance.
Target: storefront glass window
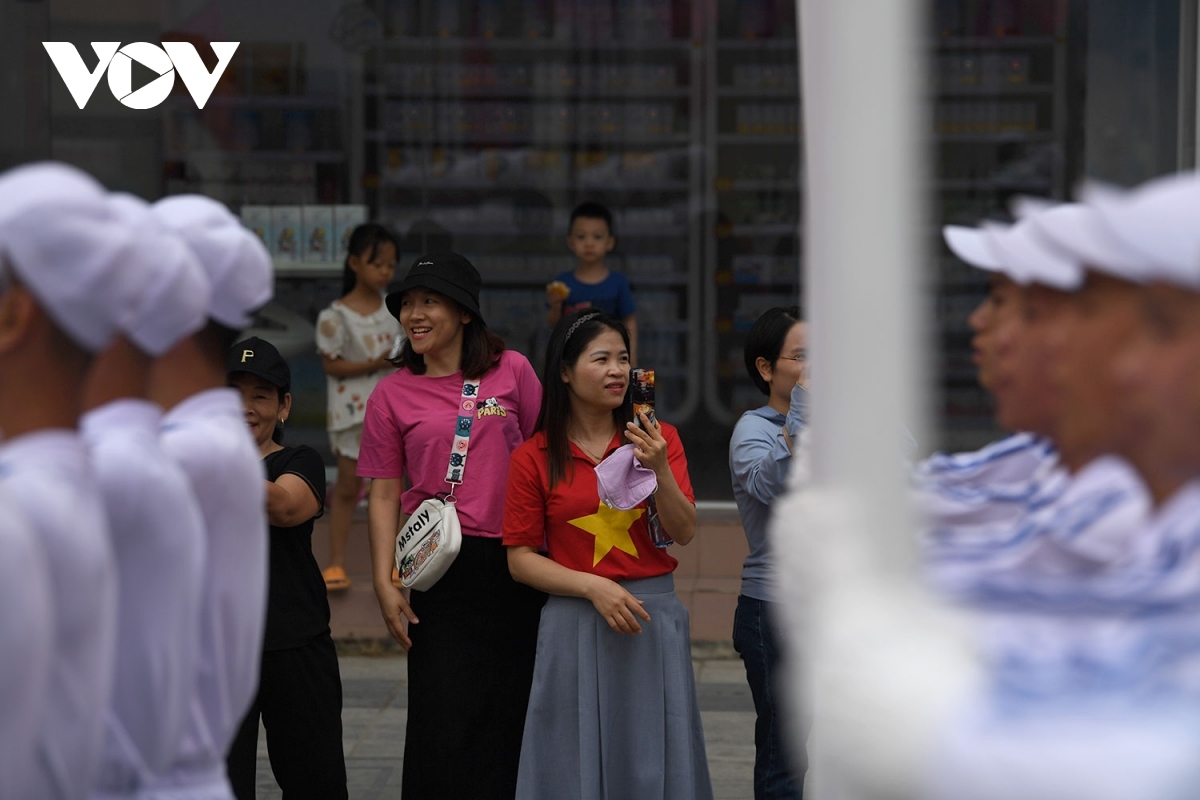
(478, 126)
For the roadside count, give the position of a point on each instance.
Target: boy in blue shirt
(591, 284)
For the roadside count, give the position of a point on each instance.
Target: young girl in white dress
(354, 337)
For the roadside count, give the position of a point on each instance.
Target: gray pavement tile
(358, 719)
(375, 715)
(724, 697)
(373, 693)
(721, 670)
(728, 734)
(384, 740)
(383, 667)
(740, 789)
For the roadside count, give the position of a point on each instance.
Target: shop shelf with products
(277, 132)
(999, 104)
(755, 170)
(1001, 71)
(274, 131)
(490, 121)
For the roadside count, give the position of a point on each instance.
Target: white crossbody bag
(429, 540)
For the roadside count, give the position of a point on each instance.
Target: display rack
(998, 107)
(485, 128)
(274, 132)
(1001, 124)
(478, 126)
(754, 260)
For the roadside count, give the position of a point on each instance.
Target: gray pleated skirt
(614, 717)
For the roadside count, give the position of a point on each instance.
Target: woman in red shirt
(613, 709)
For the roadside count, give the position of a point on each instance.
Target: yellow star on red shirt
(611, 527)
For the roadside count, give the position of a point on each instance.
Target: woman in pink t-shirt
(472, 636)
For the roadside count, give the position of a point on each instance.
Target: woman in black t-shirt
(300, 689)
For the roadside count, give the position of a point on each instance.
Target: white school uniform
(48, 475)
(158, 542)
(27, 637)
(1094, 687)
(1086, 524)
(207, 435)
(967, 494)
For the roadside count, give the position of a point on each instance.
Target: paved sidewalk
(374, 714)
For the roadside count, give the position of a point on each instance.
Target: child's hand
(556, 292)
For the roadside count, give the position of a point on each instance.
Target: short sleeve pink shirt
(409, 427)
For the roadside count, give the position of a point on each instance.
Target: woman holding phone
(613, 709)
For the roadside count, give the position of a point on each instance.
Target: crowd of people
(157, 533)
(158, 527)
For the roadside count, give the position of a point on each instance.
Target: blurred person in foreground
(1052, 381)
(1092, 692)
(156, 524)
(204, 430)
(61, 248)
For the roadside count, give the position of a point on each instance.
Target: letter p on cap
(247, 354)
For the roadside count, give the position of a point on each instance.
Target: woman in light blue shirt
(760, 456)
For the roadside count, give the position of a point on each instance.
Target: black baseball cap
(260, 358)
(446, 273)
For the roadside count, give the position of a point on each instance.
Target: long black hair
(765, 340)
(364, 243)
(571, 336)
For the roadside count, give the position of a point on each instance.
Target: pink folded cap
(165, 290)
(240, 275)
(621, 480)
(63, 242)
(1159, 221)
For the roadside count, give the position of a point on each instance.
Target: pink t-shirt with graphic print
(410, 425)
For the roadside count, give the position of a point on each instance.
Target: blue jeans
(776, 774)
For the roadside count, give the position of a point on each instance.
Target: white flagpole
(883, 666)
(864, 116)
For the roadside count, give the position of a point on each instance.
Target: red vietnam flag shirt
(577, 529)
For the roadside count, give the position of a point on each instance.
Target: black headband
(575, 325)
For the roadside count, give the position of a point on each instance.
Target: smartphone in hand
(642, 393)
(643, 403)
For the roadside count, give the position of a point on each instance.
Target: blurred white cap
(60, 237)
(237, 264)
(972, 246)
(1017, 251)
(165, 291)
(1080, 234)
(1158, 222)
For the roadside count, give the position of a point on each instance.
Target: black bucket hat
(448, 274)
(260, 358)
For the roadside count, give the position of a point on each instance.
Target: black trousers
(300, 702)
(469, 674)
